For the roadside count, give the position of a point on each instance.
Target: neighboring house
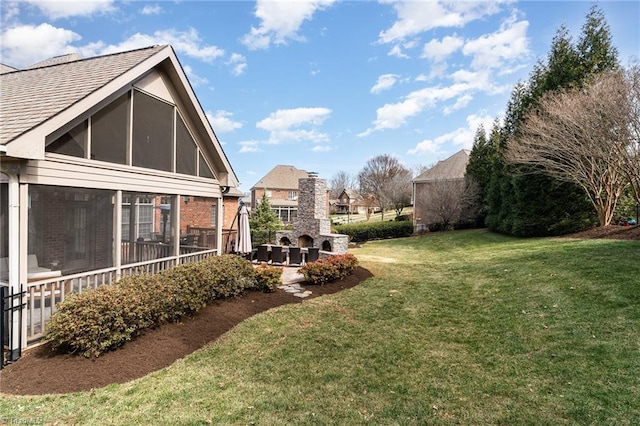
(438, 193)
(281, 188)
(108, 167)
(349, 201)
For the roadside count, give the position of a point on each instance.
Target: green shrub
(329, 269)
(97, 321)
(364, 231)
(268, 278)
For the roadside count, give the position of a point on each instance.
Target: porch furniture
(263, 253)
(313, 254)
(34, 271)
(295, 256)
(277, 255)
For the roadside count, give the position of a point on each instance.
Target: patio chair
(295, 256)
(277, 255)
(263, 253)
(313, 254)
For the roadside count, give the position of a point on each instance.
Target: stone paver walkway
(291, 280)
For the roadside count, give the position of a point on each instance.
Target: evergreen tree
(264, 222)
(520, 200)
(597, 53)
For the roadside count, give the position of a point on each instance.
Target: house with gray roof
(280, 185)
(438, 193)
(108, 167)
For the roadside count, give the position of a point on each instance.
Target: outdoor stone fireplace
(312, 227)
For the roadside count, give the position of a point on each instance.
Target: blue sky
(326, 85)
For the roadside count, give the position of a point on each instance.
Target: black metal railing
(11, 304)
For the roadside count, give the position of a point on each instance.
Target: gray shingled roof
(281, 177)
(453, 167)
(30, 97)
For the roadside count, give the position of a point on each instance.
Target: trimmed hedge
(329, 269)
(364, 231)
(97, 321)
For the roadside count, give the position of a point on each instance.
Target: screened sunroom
(120, 174)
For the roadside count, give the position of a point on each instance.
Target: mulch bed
(611, 232)
(42, 371)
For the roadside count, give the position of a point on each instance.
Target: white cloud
(415, 17)
(24, 45)
(186, 43)
(322, 148)
(460, 103)
(222, 122)
(385, 82)
(27, 44)
(393, 116)
(461, 137)
(288, 125)
(249, 146)
(151, 10)
(238, 64)
(425, 147)
(281, 21)
(492, 51)
(56, 9)
(437, 50)
(397, 52)
(194, 78)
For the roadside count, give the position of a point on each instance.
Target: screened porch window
(140, 130)
(186, 150)
(152, 132)
(73, 143)
(146, 227)
(70, 229)
(109, 132)
(198, 220)
(205, 171)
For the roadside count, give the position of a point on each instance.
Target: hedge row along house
(109, 167)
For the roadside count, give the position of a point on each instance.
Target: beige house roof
(281, 177)
(6, 68)
(30, 97)
(454, 167)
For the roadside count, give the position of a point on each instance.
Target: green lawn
(455, 328)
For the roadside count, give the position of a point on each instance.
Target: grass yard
(456, 328)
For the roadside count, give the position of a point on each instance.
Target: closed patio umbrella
(243, 237)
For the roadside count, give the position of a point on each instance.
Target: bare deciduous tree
(399, 190)
(579, 136)
(631, 154)
(340, 181)
(376, 176)
(440, 201)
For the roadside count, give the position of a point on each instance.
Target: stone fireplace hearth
(312, 227)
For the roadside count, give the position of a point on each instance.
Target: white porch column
(175, 221)
(22, 248)
(117, 233)
(220, 218)
(13, 235)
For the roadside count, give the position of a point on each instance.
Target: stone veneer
(312, 221)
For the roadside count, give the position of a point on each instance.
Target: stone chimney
(312, 207)
(312, 227)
